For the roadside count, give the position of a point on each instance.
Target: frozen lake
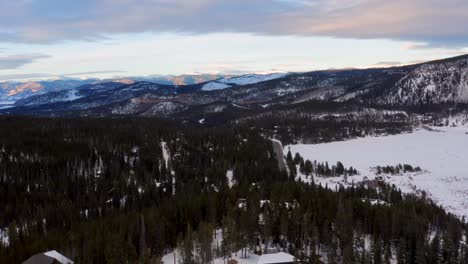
(441, 152)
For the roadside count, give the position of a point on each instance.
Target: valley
(339, 166)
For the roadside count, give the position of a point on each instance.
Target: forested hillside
(132, 190)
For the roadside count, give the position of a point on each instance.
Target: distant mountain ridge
(12, 91)
(436, 82)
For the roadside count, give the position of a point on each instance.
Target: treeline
(319, 122)
(102, 191)
(405, 168)
(320, 169)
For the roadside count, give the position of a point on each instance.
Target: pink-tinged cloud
(429, 21)
(424, 20)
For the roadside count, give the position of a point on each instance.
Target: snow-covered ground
(213, 86)
(442, 153)
(174, 256)
(71, 96)
(252, 78)
(252, 259)
(459, 119)
(225, 83)
(6, 104)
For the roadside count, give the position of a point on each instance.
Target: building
(277, 258)
(50, 257)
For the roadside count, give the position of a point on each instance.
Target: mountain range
(195, 98)
(11, 91)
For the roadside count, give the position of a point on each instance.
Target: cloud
(388, 63)
(16, 61)
(32, 76)
(9, 77)
(428, 21)
(415, 62)
(92, 73)
(413, 45)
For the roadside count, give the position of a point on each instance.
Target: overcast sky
(107, 38)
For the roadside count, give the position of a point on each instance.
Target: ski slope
(442, 153)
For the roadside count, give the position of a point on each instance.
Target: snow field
(442, 153)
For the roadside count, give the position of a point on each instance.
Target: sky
(116, 38)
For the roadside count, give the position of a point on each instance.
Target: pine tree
(186, 247)
(308, 167)
(204, 242)
(340, 170)
(435, 256)
(377, 250)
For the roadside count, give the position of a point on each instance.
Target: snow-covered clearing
(252, 78)
(442, 153)
(279, 257)
(165, 153)
(225, 83)
(230, 178)
(214, 86)
(71, 96)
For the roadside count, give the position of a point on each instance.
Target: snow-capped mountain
(11, 92)
(67, 95)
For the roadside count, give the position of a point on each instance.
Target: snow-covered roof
(59, 257)
(47, 258)
(280, 257)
